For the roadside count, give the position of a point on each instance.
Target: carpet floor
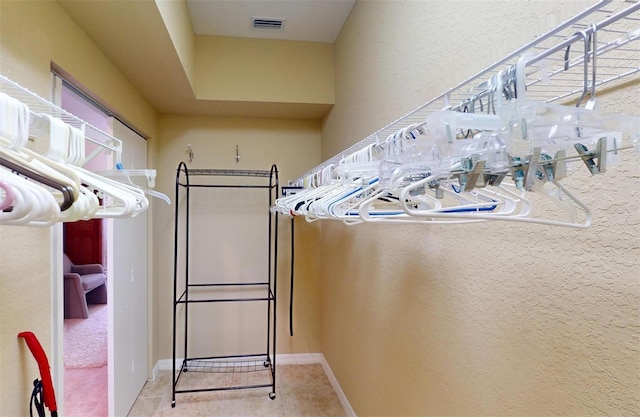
(85, 340)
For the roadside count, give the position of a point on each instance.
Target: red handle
(43, 363)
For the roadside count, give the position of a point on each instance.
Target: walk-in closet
(320, 208)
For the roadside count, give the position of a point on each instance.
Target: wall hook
(190, 153)
(237, 154)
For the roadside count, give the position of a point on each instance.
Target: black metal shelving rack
(224, 364)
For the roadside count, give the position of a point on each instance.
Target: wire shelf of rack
(230, 172)
(558, 68)
(248, 288)
(215, 365)
(229, 178)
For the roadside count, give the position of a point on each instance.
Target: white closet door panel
(129, 243)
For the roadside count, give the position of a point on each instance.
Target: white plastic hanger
(149, 174)
(122, 200)
(7, 195)
(32, 204)
(15, 125)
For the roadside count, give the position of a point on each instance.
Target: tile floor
(301, 390)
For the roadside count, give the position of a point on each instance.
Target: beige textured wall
(242, 69)
(25, 294)
(488, 319)
(32, 34)
(177, 20)
(293, 145)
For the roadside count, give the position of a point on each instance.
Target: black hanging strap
(291, 292)
(36, 399)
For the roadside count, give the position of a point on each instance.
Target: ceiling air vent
(266, 23)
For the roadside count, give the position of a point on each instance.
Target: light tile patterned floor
(301, 390)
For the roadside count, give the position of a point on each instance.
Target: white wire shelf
(38, 105)
(555, 70)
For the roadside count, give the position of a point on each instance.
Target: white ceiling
(305, 20)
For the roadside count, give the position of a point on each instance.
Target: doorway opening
(86, 318)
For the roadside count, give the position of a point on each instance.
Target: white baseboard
(337, 388)
(165, 364)
(284, 359)
(154, 371)
(298, 358)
